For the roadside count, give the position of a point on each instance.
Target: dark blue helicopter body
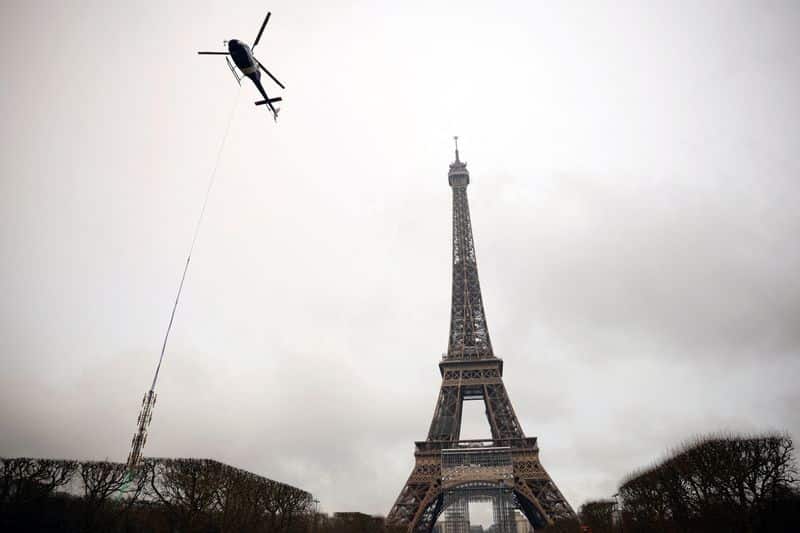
(244, 60)
(242, 55)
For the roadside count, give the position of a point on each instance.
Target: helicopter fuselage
(243, 58)
(249, 66)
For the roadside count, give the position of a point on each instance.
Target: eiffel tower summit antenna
(450, 472)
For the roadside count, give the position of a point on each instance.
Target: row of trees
(719, 483)
(722, 483)
(352, 523)
(162, 495)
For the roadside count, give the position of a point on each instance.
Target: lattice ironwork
(502, 418)
(447, 466)
(446, 424)
(469, 334)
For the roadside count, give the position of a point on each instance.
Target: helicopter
(249, 66)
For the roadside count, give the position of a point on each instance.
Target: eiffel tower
(447, 470)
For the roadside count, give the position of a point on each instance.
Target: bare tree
(26, 485)
(109, 490)
(25, 480)
(598, 515)
(711, 484)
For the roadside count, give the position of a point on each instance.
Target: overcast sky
(635, 201)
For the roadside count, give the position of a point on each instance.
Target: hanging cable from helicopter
(149, 400)
(243, 57)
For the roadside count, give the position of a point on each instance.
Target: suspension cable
(212, 178)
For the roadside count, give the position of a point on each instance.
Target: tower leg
(420, 501)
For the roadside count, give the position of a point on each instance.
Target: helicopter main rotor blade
(214, 53)
(264, 25)
(270, 74)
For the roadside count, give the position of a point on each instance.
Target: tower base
(447, 471)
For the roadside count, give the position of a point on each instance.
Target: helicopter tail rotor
(270, 101)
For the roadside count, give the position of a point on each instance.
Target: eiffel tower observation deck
(450, 472)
